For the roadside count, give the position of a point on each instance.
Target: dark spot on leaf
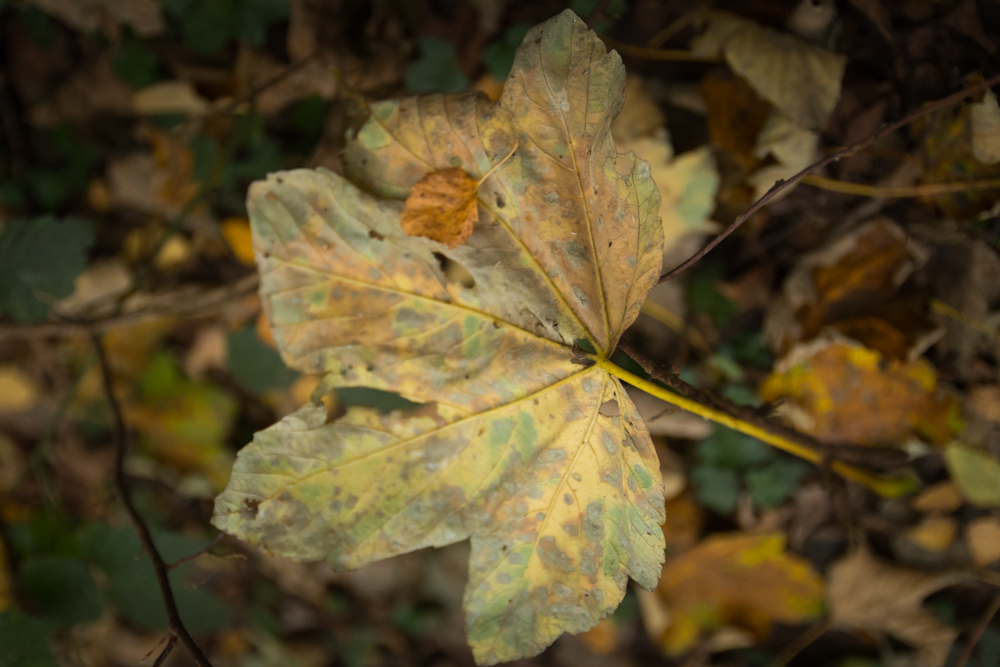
(372, 234)
(500, 202)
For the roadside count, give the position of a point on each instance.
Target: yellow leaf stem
(888, 487)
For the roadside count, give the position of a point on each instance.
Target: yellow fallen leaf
(237, 234)
(175, 251)
(801, 79)
(539, 458)
(982, 536)
(840, 391)
(868, 594)
(746, 581)
(683, 525)
(986, 129)
(943, 497)
(934, 534)
(976, 472)
(489, 86)
(442, 207)
(18, 390)
(263, 329)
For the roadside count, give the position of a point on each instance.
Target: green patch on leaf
(775, 483)
(437, 70)
(207, 26)
(24, 641)
(39, 260)
(716, 488)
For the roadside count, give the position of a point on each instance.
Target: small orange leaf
(237, 233)
(442, 207)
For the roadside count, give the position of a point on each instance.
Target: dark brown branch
(783, 185)
(121, 488)
(881, 458)
(977, 632)
(167, 650)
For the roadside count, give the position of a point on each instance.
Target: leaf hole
(611, 408)
(372, 234)
(455, 272)
(249, 510)
(500, 202)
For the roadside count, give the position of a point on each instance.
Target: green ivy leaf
(437, 70)
(774, 484)
(24, 641)
(60, 589)
(727, 448)
(255, 366)
(39, 260)
(498, 56)
(136, 64)
(716, 488)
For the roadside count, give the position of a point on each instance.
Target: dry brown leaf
(280, 87)
(982, 536)
(602, 639)
(868, 594)
(747, 581)
(88, 16)
(876, 13)
(683, 525)
(169, 97)
(92, 90)
(942, 497)
(934, 534)
(640, 116)
(736, 114)
(792, 146)
(160, 184)
(443, 207)
(19, 390)
(850, 285)
(985, 400)
(801, 79)
(840, 391)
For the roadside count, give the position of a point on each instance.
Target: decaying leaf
(838, 390)
(747, 581)
(792, 146)
(88, 16)
(982, 535)
(976, 472)
(868, 594)
(442, 206)
(799, 78)
(736, 114)
(511, 446)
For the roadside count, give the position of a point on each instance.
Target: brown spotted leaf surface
(442, 206)
(521, 443)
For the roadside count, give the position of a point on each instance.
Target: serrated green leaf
(39, 260)
(437, 70)
(60, 589)
(716, 488)
(727, 448)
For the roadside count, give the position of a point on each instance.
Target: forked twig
(782, 185)
(177, 626)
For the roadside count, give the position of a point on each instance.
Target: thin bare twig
(181, 303)
(201, 552)
(177, 626)
(782, 185)
(167, 650)
(978, 631)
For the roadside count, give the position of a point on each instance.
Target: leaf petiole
(888, 487)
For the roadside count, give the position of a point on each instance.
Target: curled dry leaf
(799, 78)
(840, 391)
(868, 594)
(442, 207)
(735, 579)
(850, 285)
(512, 447)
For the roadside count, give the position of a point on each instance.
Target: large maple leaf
(523, 443)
